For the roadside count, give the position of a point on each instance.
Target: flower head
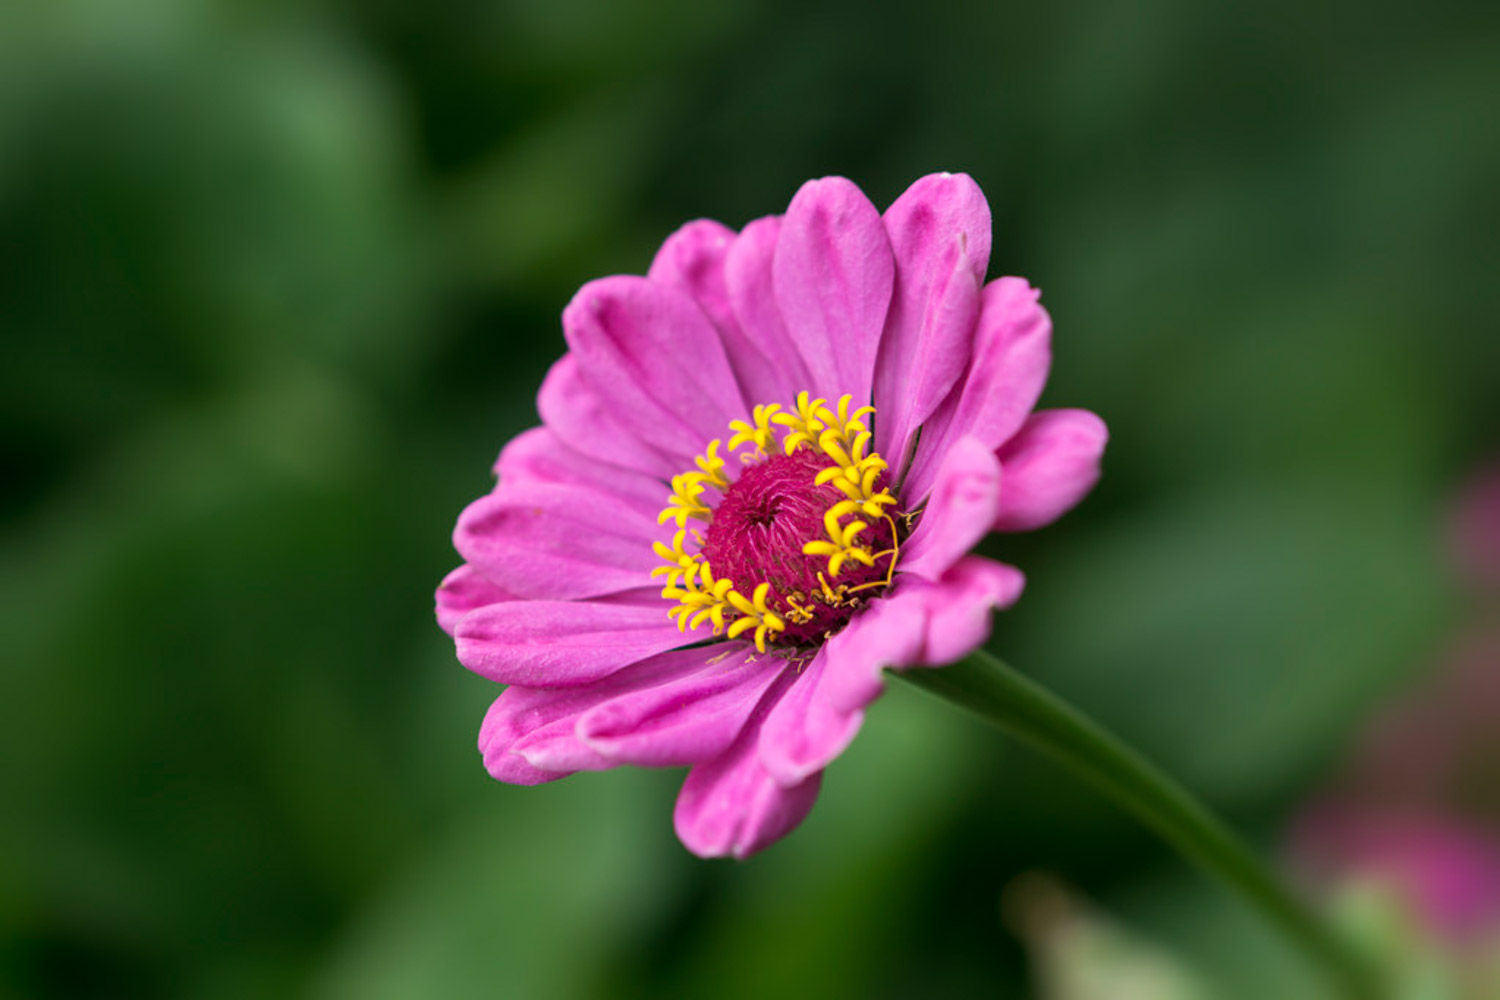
(760, 470)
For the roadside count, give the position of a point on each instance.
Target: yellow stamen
(712, 466)
(684, 502)
(800, 613)
(893, 552)
(678, 561)
(760, 433)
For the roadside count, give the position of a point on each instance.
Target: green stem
(999, 694)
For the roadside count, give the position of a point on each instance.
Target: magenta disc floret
(757, 536)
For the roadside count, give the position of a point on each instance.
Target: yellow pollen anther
(684, 502)
(757, 616)
(806, 424)
(700, 597)
(759, 433)
(893, 552)
(712, 466)
(799, 611)
(678, 561)
(831, 518)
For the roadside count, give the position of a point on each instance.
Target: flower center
(797, 542)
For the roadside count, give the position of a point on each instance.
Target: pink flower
(1475, 531)
(1444, 868)
(1416, 808)
(758, 477)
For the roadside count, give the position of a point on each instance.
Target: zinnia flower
(760, 470)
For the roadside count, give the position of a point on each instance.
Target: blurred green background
(279, 279)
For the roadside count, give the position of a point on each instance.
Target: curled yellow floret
(756, 615)
(711, 466)
(701, 597)
(760, 431)
(678, 560)
(685, 502)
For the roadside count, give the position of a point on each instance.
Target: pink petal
(462, 591)
(549, 540)
(923, 624)
(693, 259)
(804, 732)
(530, 734)
(940, 235)
(1049, 466)
(959, 512)
(564, 643)
(688, 721)
(732, 806)
(748, 281)
(581, 418)
(832, 275)
(656, 361)
(504, 723)
(539, 455)
(1012, 355)
(960, 610)
(890, 633)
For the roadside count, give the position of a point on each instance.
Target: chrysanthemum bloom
(759, 474)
